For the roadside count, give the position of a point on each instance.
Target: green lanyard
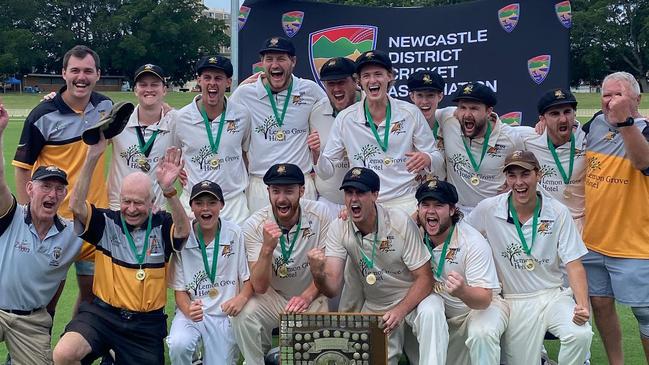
(278, 118)
(215, 256)
(571, 163)
(386, 133)
(145, 147)
(485, 145)
(517, 223)
(429, 246)
(129, 238)
(368, 262)
(286, 254)
(208, 125)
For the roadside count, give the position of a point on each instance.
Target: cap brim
(372, 62)
(208, 192)
(471, 98)
(148, 72)
(355, 184)
(285, 182)
(228, 72)
(52, 176)
(433, 195)
(523, 164)
(275, 50)
(424, 88)
(337, 76)
(558, 103)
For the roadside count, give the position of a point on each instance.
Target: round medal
(213, 293)
(370, 278)
(282, 271)
(140, 274)
(141, 161)
(475, 180)
(529, 265)
(146, 167)
(438, 287)
(214, 162)
(387, 161)
(279, 135)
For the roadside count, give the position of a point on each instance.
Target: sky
(219, 4)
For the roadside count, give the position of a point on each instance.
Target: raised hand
(272, 232)
(169, 168)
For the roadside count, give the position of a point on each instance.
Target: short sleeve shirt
(314, 222)
(188, 272)
(32, 269)
(469, 255)
(399, 251)
(572, 194)
(266, 148)
(557, 242)
(127, 154)
(190, 134)
(459, 171)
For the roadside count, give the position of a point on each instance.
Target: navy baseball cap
(425, 80)
(284, 174)
(278, 44)
(556, 97)
(216, 62)
(439, 190)
(361, 178)
(206, 187)
(151, 69)
(476, 91)
(337, 68)
(50, 172)
(374, 57)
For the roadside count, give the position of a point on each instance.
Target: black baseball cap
(374, 57)
(337, 68)
(439, 190)
(361, 178)
(556, 97)
(284, 174)
(476, 91)
(111, 125)
(149, 69)
(277, 44)
(50, 172)
(216, 62)
(206, 187)
(425, 80)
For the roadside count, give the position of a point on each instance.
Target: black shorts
(136, 338)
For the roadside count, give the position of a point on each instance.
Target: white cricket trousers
(219, 346)
(533, 314)
(474, 337)
(254, 325)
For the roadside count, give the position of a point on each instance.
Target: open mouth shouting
(374, 90)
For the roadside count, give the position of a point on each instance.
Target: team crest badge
(508, 17)
(517, 155)
(244, 12)
(356, 172)
(292, 22)
(432, 184)
(281, 169)
(564, 13)
(467, 89)
(539, 67)
(512, 118)
(426, 79)
(559, 94)
(52, 168)
(148, 66)
(226, 251)
(341, 41)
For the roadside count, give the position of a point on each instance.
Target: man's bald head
(136, 198)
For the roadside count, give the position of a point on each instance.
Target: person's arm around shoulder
(167, 172)
(6, 200)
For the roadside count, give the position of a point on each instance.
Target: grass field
(632, 346)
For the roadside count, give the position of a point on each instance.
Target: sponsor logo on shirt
(132, 154)
(22, 246)
(516, 256)
(226, 251)
(232, 126)
(367, 151)
(155, 247)
(496, 150)
(398, 127)
(55, 256)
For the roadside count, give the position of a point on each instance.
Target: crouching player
(466, 277)
(210, 278)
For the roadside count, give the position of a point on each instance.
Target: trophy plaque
(332, 339)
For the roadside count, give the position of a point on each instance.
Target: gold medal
(141, 161)
(475, 180)
(567, 194)
(387, 161)
(529, 265)
(140, 274)
(214, 162)
(213, 293)
(279, 135)
(438, 287)
(370, 278)
(282, 271)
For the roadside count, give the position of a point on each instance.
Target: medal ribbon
(131, 243)
(386, 133)
(278, 118)
(485, 145)
(435, 129)
(214, 145)
(145, 147)
(286, 254)
(571, 163)
(369, 262)
(517, 223)
(442, 259)
(215, 256)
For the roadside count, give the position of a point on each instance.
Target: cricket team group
(474, 239)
